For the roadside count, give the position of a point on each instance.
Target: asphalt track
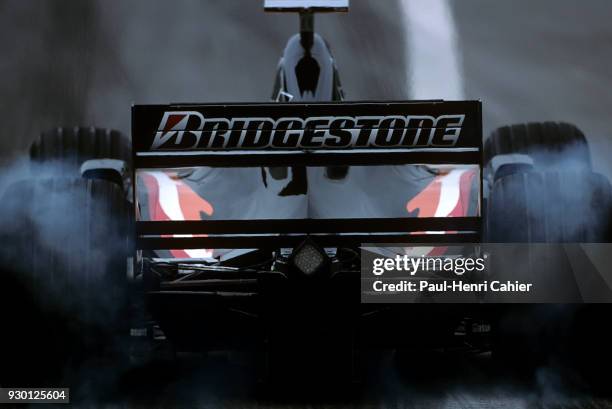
(86, 62)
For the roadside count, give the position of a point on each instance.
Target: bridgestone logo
(189, 130)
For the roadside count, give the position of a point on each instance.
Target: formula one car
(241, 224)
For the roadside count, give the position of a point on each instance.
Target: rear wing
(314, 134)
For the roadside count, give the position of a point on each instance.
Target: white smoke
(55, 254)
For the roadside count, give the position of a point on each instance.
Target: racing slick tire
(66, 245)
(549, 144)
(73, 145)
(533, 206)
(551, 207)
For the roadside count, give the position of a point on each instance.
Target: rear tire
(66, 243)
(550, 144)
(534, 206)
(73, 146)
(550, 207)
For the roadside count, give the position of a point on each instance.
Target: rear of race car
(236, 254)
